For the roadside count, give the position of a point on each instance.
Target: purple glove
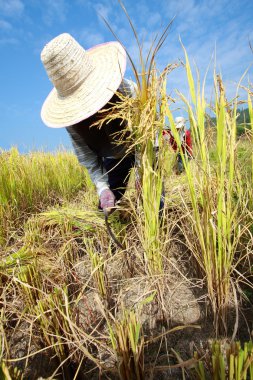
(107, 199)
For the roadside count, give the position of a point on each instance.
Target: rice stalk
(251, 124)
(231, 362)
(98, 266)
(214, 213)
(145, 116)
(30, 182)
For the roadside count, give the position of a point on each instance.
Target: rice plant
(128, 343)
(216, 218)
(30, 181)
(145, 115)
(64, 276)
(225, 362)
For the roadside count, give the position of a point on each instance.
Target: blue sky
(205, 26)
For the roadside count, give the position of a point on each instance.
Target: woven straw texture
(84, 80)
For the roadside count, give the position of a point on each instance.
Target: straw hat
(180, 122)
(84, 80)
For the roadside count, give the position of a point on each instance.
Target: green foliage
(10, 373)
(224, 362)
(242, 121)
(214, 216)
(62, 255)
(129, 342)
(30, 182)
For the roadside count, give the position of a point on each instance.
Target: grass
(41, 269)
(236, 364)
(102, 310)
(29, 182)
(216, 215)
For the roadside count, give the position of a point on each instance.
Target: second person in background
(185, 139)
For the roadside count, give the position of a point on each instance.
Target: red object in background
(186, 145)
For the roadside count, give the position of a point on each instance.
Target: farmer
(185, 138)
(85, 82)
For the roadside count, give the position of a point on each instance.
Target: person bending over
(86, 82)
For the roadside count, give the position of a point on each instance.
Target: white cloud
(103, 9)
(54, 11)
(203, 25)
(89, 38)
(11, 31)
(11, 7)
(5, 25)
(8, 41)
(84, 3)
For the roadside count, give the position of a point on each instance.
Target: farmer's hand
(107, 200)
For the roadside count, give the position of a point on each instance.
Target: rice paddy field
(174, 299)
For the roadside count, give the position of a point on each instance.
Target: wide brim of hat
(109, 60)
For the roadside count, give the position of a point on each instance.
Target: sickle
(116, 241)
